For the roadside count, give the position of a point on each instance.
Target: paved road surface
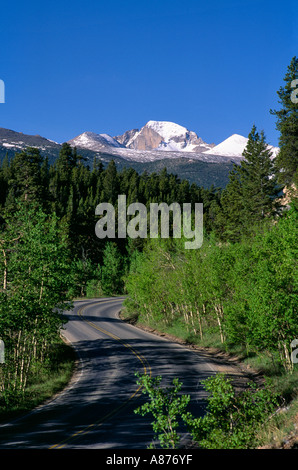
(96, 410)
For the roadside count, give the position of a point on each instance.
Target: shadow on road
(98, 410)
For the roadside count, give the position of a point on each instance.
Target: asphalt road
(96, 410)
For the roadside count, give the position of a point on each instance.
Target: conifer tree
(26, 175)
(4, 178)
(287, 125)
(251, 194)
(110, 183)
(258, 181)
(112, 270)
(229, 217)
(66, 161)
(61, 175)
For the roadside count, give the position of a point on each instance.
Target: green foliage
(94, 289)
(46, 379)
(72, 190)
(82, 273)
(251, 194)
(166, 407)
(231, 419)
(34, 262)
(264, 281)
(26, 179)
(112, 270)
(287, 125)
(245, 292)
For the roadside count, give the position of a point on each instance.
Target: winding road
(96, 410)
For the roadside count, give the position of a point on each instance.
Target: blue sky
(109, 66)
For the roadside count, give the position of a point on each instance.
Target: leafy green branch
(166, 406)
(232, 419)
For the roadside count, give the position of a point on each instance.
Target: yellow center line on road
(140, 357)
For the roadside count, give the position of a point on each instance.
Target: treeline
(72, 189)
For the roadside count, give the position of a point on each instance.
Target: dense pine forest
(239, 290)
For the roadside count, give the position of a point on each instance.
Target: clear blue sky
(109, 66)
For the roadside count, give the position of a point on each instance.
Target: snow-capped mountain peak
(165, 136)
(93, 141)
(167, 130)
(234, 146)
(163, 139)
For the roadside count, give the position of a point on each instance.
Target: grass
(282, 429)
(45, 381)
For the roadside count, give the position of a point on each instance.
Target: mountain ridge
(165, 136)
(156, 145)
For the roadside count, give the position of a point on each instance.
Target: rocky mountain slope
(162, 139)
(12, 141)
(95, 142)
(164, 135)
(156, 145)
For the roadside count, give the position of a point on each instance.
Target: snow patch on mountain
(234, 146)
(143, 156)
(167, 130)
(92, 141)
(164, 136)
(163, 139)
